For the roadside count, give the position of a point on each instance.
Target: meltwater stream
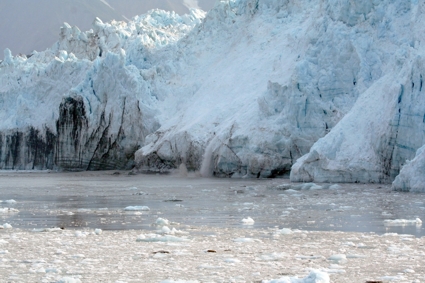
(100, 199)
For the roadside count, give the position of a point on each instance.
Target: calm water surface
(99, 199)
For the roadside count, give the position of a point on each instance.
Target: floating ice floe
(137, 208)
(168, 231)
(305, 186)
(338, 258)
(160, 238)
(68, 280)
(402, 222)
(309, 257)
(314, 277)
(54, 229)
(284, 231)
(10, 201)
(356, 256)
(272, 257)
(162, 222)
(248, 221)
(7, 226)
(393, 278)
(81, 234)
(232, 260)
(244, 240)
(179, 281)
(5, 210)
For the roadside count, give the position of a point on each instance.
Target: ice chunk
(162, 222)
(160, 238)
(248, 221)
(68, 280)
(402, 222)
(7, 226)
(314, 277)
(137, 208)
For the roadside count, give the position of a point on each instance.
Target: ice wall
(84, 104)
(270, 80)
(331, 90)
(386, 125)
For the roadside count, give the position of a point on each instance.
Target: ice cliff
(386, 125)
(83, 104)
(331, 89)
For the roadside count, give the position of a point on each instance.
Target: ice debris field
(115, 227)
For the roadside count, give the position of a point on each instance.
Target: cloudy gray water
(100, 199)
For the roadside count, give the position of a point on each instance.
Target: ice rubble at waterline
(244, 90)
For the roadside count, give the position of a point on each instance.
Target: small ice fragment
(335, 187)
(243, 240)
(316, 187)
(137, 208)
(285, 231)
(80, 234)
(338, 257)
(69, 280)
(179, 281)
(272, 257)
(7, 226)
(232, 260)
(314, 276)
(356, 256)
(248, 221)
(165, 230)
(162, 222)
(10, 201)
(310, 257)
(402, 222)
(8, 210)
(98, 231)
(54, 229)
(160, 238)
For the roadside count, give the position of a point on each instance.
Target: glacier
(328, 91)
(81, 105)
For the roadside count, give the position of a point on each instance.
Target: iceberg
(412, 174)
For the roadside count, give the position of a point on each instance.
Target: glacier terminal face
(323, 92)
(386, 125)
(84, 104)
